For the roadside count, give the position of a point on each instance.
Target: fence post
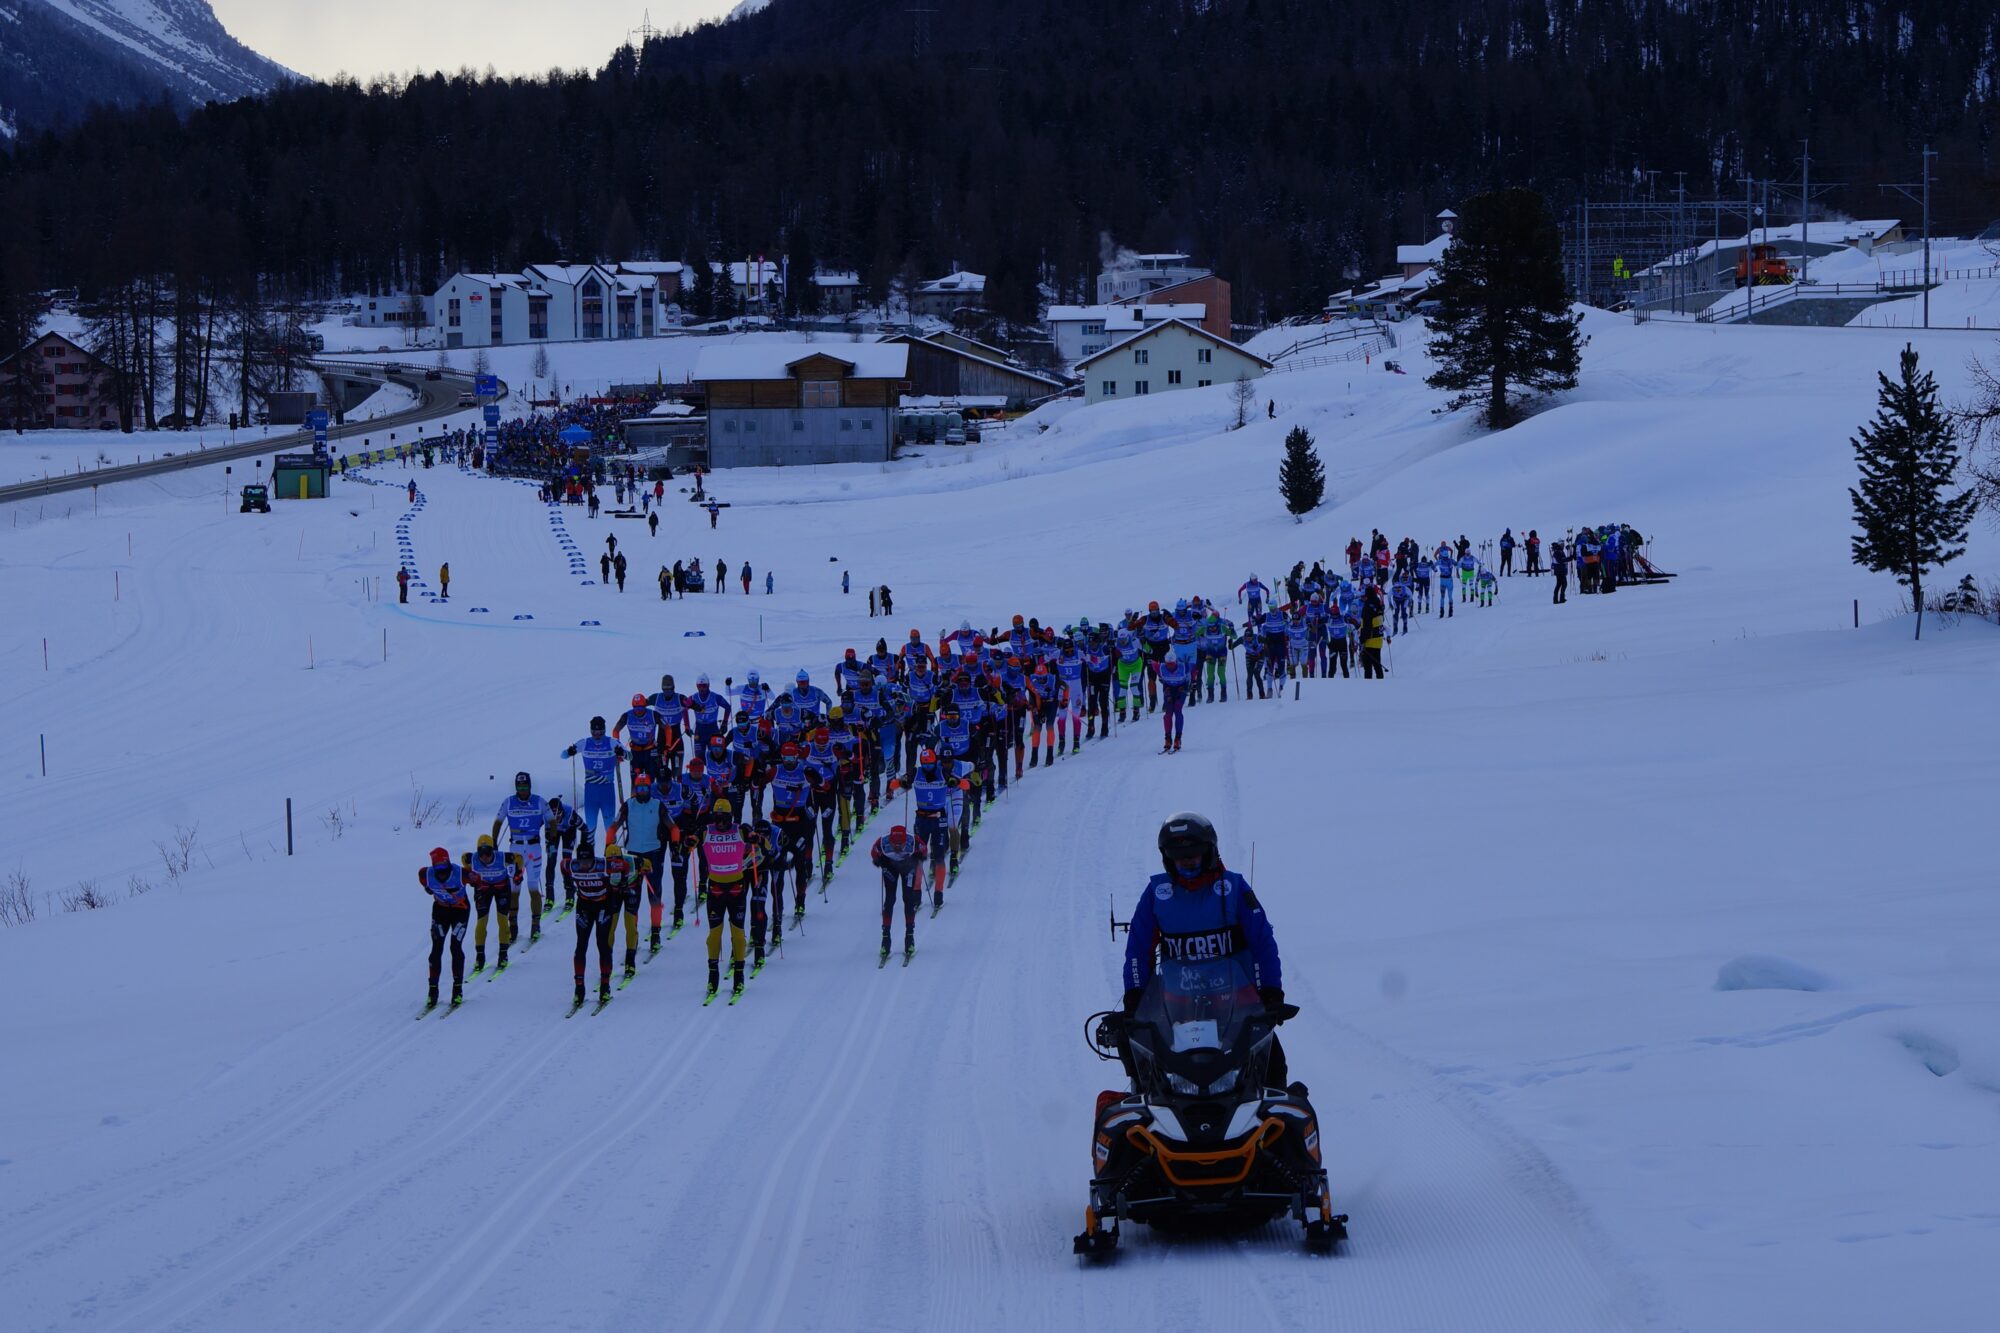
(43, 736)
(1857, 613)
(288, 826)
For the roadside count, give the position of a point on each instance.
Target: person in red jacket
(899, 857)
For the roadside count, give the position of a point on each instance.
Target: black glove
(1131, 1002)
(1272, 996)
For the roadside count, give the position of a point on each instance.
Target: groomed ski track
(848, 1148)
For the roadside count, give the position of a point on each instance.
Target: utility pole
(1920, 192)
(1805, 211)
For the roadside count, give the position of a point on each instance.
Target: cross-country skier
(522, 815)
(1424, 569)
(490, 877)
(648, 734)
(1507, 551)
(601, 756)
(1399, 604)
(725, 853)
(622, 873)
(792, 819)
(596, 912)
(1486, 586)
(1175, 678)
(641, 828)
(931, 791)
(1254, 593)
(672, 709)
(1131, 663)
(560, 829)
(1198, 909)
(450, 907)
(898, 856)
(1372, 636)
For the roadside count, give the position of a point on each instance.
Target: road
(440, 398)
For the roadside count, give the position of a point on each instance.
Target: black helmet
(597, 724)
(521, 780)
(1187, 837)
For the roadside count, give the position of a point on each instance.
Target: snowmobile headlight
(1224, 1084)
(1184, 1086)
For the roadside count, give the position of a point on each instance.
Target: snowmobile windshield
(1199, 1006)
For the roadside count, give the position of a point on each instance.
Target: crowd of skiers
(740, 796)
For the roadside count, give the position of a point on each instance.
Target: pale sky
(370, 37)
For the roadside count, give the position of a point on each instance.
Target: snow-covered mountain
(58, 57)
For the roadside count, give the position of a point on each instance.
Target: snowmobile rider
(1197, 908)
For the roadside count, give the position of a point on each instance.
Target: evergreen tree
(1908, 455)
(1301, 479)
(1503, 323)
(701, 291)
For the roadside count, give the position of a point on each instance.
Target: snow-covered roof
(656, 267)
(956, 281)
(837, 279)
(670, 409)
(567, 274)
(1428, 253)
(1152, 330)
(774, 360)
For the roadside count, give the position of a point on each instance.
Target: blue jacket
(1218, 921)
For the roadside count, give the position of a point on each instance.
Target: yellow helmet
(611, 849)
(835, 713)
(723, 806)
(486, 842)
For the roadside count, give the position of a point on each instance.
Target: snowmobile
(1200, 1137)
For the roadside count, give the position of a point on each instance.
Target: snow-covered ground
(1644, 943)
(34, 455)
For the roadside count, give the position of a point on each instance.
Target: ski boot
(1076, 747)
(757, 958)
(1051, 756)
(604, 991)
(714, 977)
(579, 993)
(502, 967)
(1034, 757)
(735, 979)
(479, 960)
(457, 994)
(653, 942)
(909, 943)
(434, 995)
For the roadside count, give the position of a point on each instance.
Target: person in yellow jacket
(490, 873)
(444, 580)
(1372, 636)
(626, 888)
(726, 856)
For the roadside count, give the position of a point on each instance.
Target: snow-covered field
(1644, 943)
